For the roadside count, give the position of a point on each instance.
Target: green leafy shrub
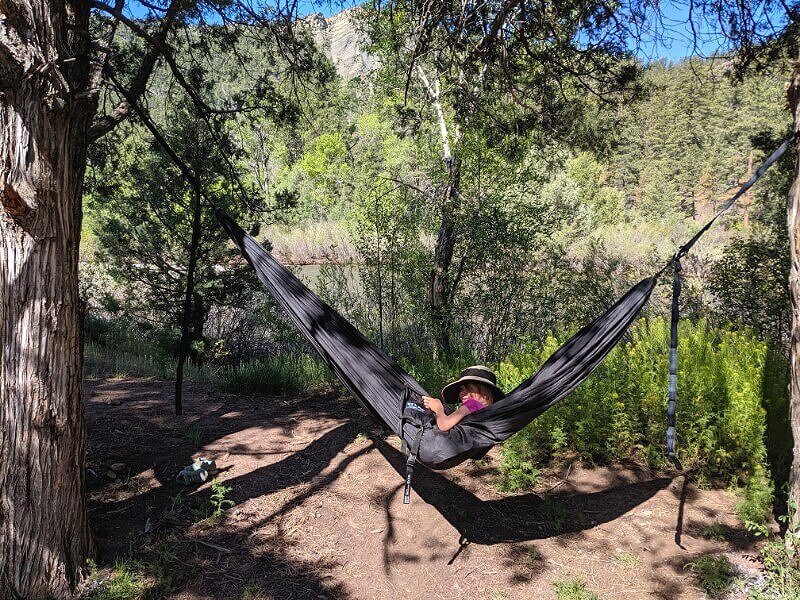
(716, 573)
(716, 531)
(781, 574)
(574, 589)
(517, 473)
(619, 412)
(220, 498)
(754, 506)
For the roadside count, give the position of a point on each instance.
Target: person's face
(476, 391)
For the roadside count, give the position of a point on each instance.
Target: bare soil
(318, 509)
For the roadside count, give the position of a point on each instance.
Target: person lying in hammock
(475, 390)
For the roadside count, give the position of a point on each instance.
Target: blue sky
(672, 39)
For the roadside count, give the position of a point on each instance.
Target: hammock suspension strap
(411, 460)
(673, 364)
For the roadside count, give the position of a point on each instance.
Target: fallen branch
(216, 547)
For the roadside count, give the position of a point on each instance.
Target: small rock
(118, 467)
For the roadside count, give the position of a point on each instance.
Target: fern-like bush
(619, 412)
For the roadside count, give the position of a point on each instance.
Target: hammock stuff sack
(393, 398)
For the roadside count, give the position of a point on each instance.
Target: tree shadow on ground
(263, 554)
(778, 435)
(147, 515)
(526, 516)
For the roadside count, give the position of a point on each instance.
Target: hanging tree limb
(139, 83)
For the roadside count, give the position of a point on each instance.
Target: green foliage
(573, 589)
(716, 573)
(280, 374)
(220, 499)
(517, 473)
(751, 282)
(554, 513)
(619, 411)
(686, 143)
(755, 504)
(715, 531)
(782, 574)
(126, 583)
(212, 510)
(123, 348)
(432, 373)
(591, 177)
(193, 433)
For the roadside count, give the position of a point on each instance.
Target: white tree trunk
(793, 214)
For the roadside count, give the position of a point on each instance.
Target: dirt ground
(318, 509)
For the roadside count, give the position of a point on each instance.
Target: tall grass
(282, 374)
(312, 242)
(619, 412)
(123, 349)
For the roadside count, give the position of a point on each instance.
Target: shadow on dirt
(526, 516)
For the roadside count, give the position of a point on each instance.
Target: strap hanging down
(410, 462)
(673, 365)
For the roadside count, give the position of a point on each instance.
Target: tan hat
(478, 374)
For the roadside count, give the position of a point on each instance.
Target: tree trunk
(196, 339)
(183, 349)
(44, 534)
(794, 291)
(440, 294)
(441, 291)
(748, 195)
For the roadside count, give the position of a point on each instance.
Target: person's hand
(433, 404)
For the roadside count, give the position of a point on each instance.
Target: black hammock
(393, 397)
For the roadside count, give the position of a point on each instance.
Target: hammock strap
(683, 250)
(411, 460)
(673, 365)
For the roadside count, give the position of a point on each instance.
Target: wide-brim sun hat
(476, 374)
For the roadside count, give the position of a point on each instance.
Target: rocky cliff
(338, 36)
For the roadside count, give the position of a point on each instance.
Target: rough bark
(44, 534)
(794, 291)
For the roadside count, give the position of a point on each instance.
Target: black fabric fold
(381, 385)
